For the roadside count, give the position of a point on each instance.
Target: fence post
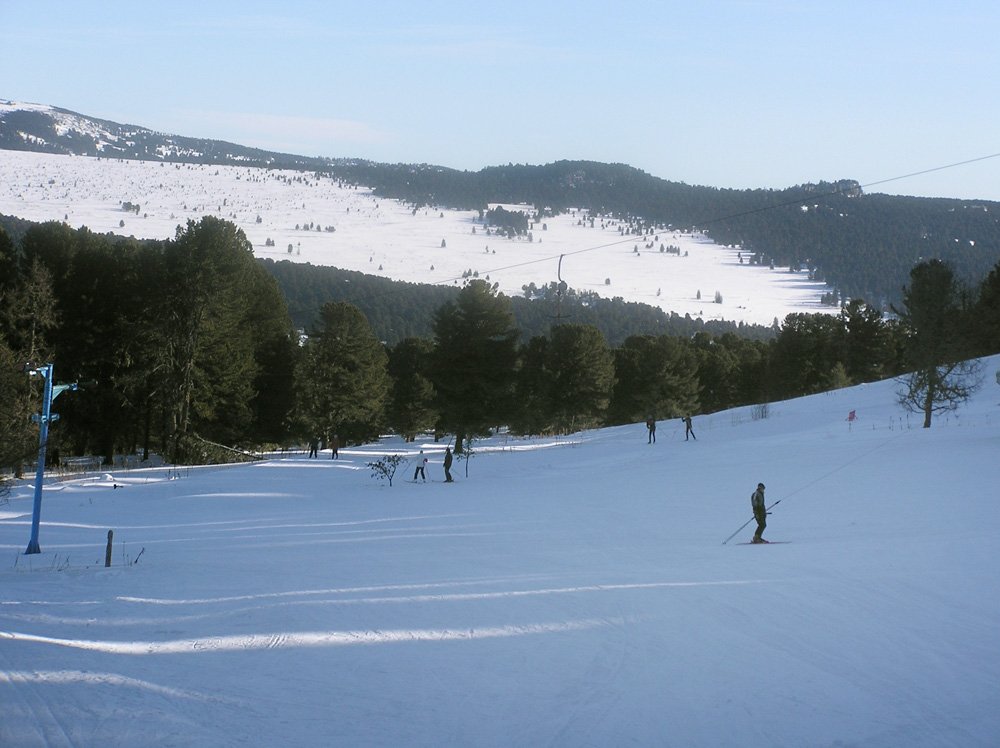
(107, 553)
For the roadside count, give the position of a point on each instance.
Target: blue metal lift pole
(46, 417)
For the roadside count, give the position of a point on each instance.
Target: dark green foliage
(937, 342)
(342, 380)
(8, 260)
(985, 317)
(176, 337)
(869, 352)
(397, 310)
(410, 410)
(532, 412)
(275, 353)
(189, 340)
(805, 352)
(720, 369)
(581, 368)
(655, 377)
(564, 382)
(507, 222)
(208, 345)
(474, 361)
(18, 437)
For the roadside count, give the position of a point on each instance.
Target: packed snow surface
(297, 216)
(570, 591)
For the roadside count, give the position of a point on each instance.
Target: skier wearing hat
(759, 513)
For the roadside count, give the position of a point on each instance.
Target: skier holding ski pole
(756, 500)
(759, 513)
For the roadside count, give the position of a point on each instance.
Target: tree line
(398, 309)
(186, 348)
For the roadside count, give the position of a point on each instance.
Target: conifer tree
(933, 319)
(474, 362)
(342, 380)
(582, 374)
(410, 409)
(654, 376)
(208, 345)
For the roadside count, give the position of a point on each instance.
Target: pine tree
(474, 362)
(654, 376)
(410, 409)
(933, 319)
(342, 380)
(867, 342)
(207, 345)
(18, 437)
(582, 374)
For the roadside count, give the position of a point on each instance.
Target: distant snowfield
(386, 238)
(566, 592)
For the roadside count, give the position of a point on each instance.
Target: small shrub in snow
(385, 467)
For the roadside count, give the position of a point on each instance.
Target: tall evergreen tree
(582, 374)
(18, 437)
(986, 316)
(29, 315)
(474, 362)
(8, 261)
(411, 403)
(868, 352)
(805, 353)
(208, 346)
(942, 378)
(532, 404)
(343, 382)
(654, 376)
(718, 368)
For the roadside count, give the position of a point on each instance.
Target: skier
(421, 463)
(759, 513)
(447, 465)
(335, 448)
(313, 447)
(651, 427)
(688, 429)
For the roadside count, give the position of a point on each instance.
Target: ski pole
(749, 521)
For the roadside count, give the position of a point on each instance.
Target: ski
(766, 542)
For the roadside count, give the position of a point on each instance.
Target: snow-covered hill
(49, 129)
(295, 215)
(565, 592)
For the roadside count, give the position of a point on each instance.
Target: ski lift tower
(43, 420)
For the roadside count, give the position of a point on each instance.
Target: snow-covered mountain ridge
(49, 129)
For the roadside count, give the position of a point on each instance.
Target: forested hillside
(398, 310)
(863, 245)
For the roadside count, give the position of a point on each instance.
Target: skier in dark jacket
(651, 428)
(688, 428)
(447, 464)
(759, 513)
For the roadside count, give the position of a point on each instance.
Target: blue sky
(751, 93)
